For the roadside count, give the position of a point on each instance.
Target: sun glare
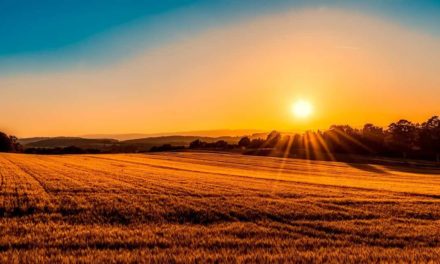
(302, 109)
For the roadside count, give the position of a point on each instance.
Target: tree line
(401, 139)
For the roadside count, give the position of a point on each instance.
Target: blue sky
(38, 35)
(82, 67)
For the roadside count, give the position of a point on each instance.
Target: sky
(105, 67)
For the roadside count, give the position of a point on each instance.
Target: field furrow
(211, 207)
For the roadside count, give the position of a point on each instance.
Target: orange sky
(352, 67)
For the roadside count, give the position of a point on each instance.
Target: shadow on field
(367, 167)
(413, 169)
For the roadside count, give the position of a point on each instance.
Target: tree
(5, 143)
(296, 143)
(430, 137)
(196, 144)
(221, 144)
(256, 143)
(371, 130)
(285, 143)
(373, 137)
(9, 143)
(272, 139)
(16, 147)
(244, 142)
(345, 129)
(403, 136)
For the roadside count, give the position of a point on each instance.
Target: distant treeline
(402, 139)
(166, 147)
(65, 150)
(10, 144)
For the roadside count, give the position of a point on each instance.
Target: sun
(302, 109)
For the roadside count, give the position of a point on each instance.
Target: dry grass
(205, 207)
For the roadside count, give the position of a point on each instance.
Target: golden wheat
(211, 207)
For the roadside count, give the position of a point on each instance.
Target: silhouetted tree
(296, 143)
(403, 136)
(256, 143)
(244, 142)
(272, 139)
(285, 143)
(374, 138)
(196, 144)
(337, 138)
(59, 150)
(221, 144)
(73, 150)
(5, 143)
(166, 147)
(9, 143)
(430, 137)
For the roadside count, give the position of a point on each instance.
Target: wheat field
(213, 207)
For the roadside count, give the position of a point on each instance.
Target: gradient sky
(81, 67)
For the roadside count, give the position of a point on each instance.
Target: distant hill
(113, 145)
(25, 141)
(178, 140)
(120, 137)
(66, 142)
(201, 133)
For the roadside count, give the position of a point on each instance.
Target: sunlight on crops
(186, 207)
